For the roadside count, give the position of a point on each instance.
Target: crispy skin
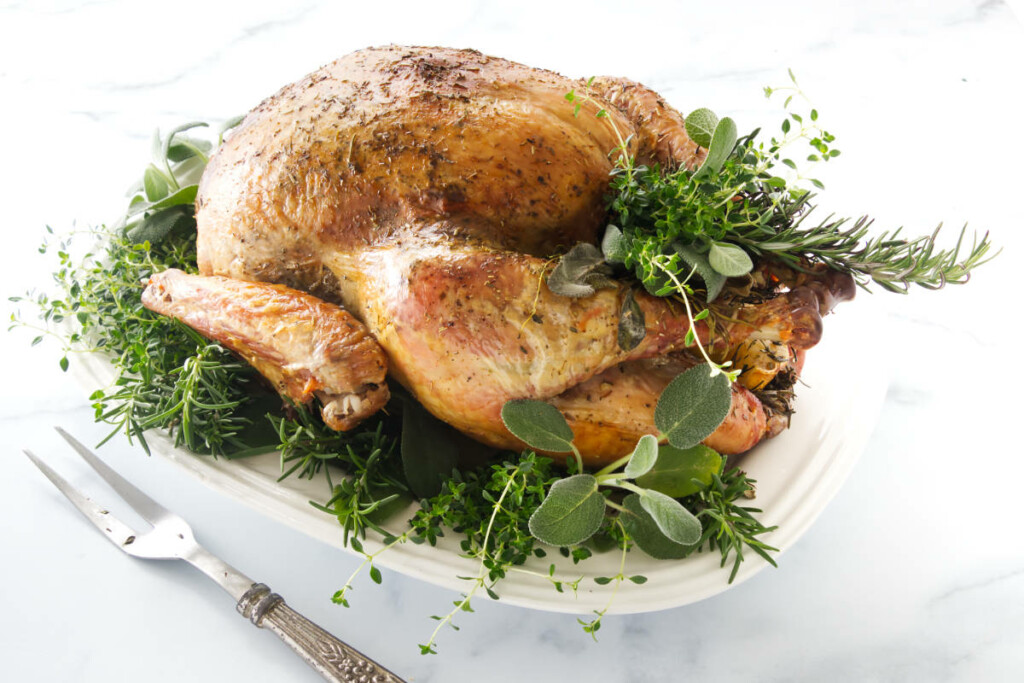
(660, 129)
(610, 411)
(304, 346)
(468, 328)
(426, 190)
(391, 140)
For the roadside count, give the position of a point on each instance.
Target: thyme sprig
(491, 510)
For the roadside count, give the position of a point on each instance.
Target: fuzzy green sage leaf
(729, 259)
(644, 531)
(613, 245)
(168, 141)
(155, 227)
(186, 196)
(713, 280)
(538, 424)
(571, 513)
(632, 323)
(580, 272)
(700, 126)
(722, 143)
(692, 406)
(643, 458)
(675, 521)
(154, 185)
(185, 147)
(680, 472)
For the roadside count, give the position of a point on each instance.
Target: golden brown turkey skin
(386, 138)
(617, 407)
(426, 190)
(469, 328)
(304, 346)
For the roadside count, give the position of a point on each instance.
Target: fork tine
(149, 509)
(119, 533)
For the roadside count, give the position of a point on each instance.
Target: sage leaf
(429, 454)
(538, 424)
(677, 471)
(613, 244)
(156, 145)
(729, 259)
(632, 324)
(580, 272)
(675, 521)
(166, 148)
(700, 126)
(643, 458)
(154, 185)
(644, 531)
(599, 280)
(722, 143)
(571, 513)
(184, 196)
(189, 172)
(574, 290)
(233, 122)
(713, 280)
(583, 258)
(155, 227)
(692, 406)
(185, 147)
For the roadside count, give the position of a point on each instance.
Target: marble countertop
(914, 572)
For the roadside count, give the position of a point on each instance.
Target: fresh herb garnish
(744, 208)
(683, 233)
(491, 509)
(574, 508)
(367, 455)
(166, 376)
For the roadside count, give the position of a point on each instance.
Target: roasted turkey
(396, 212)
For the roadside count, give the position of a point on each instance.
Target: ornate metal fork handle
(172, 538)
(335, 660)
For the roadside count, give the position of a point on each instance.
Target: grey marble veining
(915, 571)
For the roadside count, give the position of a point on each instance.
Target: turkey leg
(304, 346)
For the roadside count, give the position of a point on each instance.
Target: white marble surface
(914, 573)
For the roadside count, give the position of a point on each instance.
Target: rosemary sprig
(728, 526)
(887, 259)
(659, 212)
(166, 375)
(368, 456)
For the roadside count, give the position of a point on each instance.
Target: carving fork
(171, 538)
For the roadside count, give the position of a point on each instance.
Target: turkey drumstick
(304, 346)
